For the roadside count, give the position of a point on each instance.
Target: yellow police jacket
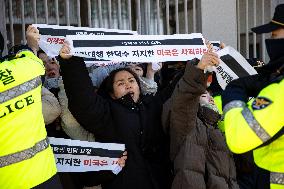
(247, 126)
(26, 158)
(218, 103)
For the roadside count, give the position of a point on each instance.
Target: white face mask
(207, 100)
(51, 83)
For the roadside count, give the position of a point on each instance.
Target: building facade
(228, 21)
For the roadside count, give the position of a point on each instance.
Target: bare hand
(222, 45)
(207, 60)
(209, 46)
(33, 37)
(65, 51)
(151, 72)
(122, 160)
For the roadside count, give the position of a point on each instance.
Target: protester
(257, 125)
(52, 72)
(146, 76)
(122, 116)
(69, 123)
(51, 109)
(198, 149)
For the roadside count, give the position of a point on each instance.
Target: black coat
(138, 126)
(250, 86)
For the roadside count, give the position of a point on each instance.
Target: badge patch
(260, 103)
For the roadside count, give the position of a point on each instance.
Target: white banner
(139, 48)
(83, 156)
(232, 66)
(53, 36)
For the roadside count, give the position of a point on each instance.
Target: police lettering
(18, 105)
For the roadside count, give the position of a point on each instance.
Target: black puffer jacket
(198, 148)
(138, 126)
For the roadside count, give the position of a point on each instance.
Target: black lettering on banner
(113, 43)
(125, 53)
(60, 161)
(99, 54)
(117, 53)
(68, 161)
(110, 53)
(150, 53)
(143, 53)
(64, 32)
(224, 74)
(79, 150)
(135, 53)
(93, 54)
(234, 65)
(76, 162)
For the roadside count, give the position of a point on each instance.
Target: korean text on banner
(139, 48)
(52, 36)
(232, 66)
(83, 156)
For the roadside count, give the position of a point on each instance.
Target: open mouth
(131, 94)
(51, 74)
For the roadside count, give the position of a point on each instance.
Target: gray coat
(198, 149)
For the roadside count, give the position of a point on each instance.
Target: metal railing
(144, 16)
(251, 13)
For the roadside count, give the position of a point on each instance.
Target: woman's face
(125, 83)
(136, 69)
(206, 98)
(51, 66)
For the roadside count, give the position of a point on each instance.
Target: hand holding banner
(53, 36)
(83, 156)
(232, 66)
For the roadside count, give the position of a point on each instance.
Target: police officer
(258, 125)
(26, 158)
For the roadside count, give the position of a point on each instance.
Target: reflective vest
(247, 126)
(218, 103)
(26, 158)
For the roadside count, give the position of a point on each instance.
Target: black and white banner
(83, 156)
(139, 48)
(232, 66)
(53, 36)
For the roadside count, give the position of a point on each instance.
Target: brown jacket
(198, 149)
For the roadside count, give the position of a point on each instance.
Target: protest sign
(139, 48)
(83, 156)
(53, 36)
(232, 66)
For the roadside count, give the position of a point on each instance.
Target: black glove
(243, 88)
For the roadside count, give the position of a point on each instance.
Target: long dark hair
(106, 87)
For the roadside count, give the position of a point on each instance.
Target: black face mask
(275, 48)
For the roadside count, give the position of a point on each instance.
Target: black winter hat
(276, 22)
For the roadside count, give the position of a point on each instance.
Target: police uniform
(26, 158)
(256, 126)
